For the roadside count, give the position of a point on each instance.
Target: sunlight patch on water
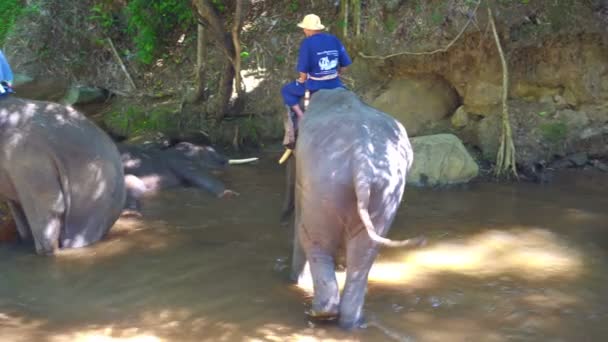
(126, 235)
(106, 336)
(530, 253)
(277, 332)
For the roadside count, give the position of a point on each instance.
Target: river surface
(505, 262)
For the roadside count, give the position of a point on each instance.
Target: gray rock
(441, 159)
(21, 79)
(572, 118)
(579, 159)
(417, 101)
(460, 118)
(83, 95)
(600, 165)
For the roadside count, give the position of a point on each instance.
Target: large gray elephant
(351, 162)
(60, 173)
(151, 169)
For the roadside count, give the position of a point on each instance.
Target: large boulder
(441, 159)
(418, 101)
(482, 97)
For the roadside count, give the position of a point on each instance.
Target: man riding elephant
(6, 76)
(61, 174)
(351, 162)
(322, 58)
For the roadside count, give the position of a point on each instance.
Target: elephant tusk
(285, 156)
(242, 161)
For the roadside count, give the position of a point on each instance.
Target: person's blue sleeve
(6, 74)
(343, 57)
(303, 62)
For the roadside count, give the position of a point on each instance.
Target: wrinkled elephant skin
(60, 173)
(148, 170)
(351, 162)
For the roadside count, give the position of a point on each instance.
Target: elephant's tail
(362, 189)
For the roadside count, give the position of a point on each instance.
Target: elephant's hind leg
(23, 227)
(326, 299)
(360, 255)
(320, 249)
(43, 203)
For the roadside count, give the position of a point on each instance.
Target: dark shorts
(293, 92)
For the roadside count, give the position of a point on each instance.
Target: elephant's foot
(131, 213)
(46, 247)
(350, 323)
(322, 315)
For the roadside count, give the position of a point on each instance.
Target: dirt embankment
(557, 55)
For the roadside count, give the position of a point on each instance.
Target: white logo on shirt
(326, 64)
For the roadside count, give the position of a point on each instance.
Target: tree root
(505, 159)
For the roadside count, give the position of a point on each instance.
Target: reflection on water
(503, 263)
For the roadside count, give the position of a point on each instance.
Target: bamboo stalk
(122, 65)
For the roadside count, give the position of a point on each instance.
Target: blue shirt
(321, 55)
(6, 74)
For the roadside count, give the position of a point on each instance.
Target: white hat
(311, 22)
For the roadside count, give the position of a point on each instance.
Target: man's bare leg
(296, 109)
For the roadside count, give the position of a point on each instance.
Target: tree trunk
(344, 16)
(236, 28)
(230, 45)
(201, 75)
(357, 17)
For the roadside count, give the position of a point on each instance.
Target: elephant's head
(205, 156)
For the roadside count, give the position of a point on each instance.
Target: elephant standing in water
(60, 173)
(351, 163)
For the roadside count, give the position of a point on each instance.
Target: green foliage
(280, 59)
(134, 120)
(437, 17)
(219, 5)
(102, 16)
(554, 132)
(294, 6)
(559, 13)
(10, 11)
(390, 24)
(151, 20)
(250, 131)
(509, 2)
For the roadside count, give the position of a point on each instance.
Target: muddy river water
(505, 262)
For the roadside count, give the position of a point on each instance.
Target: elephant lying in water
(148, 170)
(61, 174)
(351, 163)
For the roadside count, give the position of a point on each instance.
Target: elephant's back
(339, 132)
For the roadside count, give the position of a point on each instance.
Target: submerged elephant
(351, 162)
(148, 170)
(61, 174)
